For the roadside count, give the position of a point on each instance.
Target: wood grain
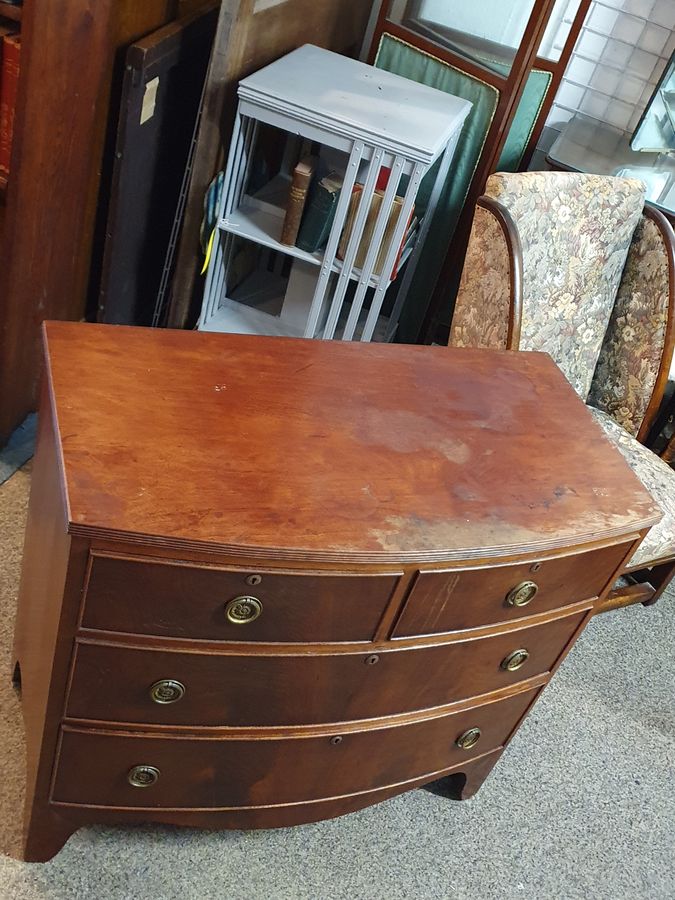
(230, 773)
(147, 597)
(68, 51)
(180, 438)
(112, 682)
(456, 599)
(53, 569)
(342, 476)
(470, 773)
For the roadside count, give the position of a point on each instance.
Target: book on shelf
(369, 228)
(6, 30)
(9, 82)
(297, 196)
(319, 212)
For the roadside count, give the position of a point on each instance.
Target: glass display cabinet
(588, 145)
(655, 132)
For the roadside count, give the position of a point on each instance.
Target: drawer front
(218, 772)
(455, 599)
(114, 683)
(176, 600)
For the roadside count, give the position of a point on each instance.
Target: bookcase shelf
(10, 11)
(237, 317)
(263, 228)
(254, 223)
(379, 123)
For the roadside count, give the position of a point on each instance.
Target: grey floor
(582, 805)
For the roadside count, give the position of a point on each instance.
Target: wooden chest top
(318, 450)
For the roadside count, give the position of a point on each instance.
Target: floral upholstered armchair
(576, 266)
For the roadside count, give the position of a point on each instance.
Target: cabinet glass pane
(558, 29)
(487, 32)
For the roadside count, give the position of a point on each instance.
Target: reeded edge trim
(216, 733)
(345, 556)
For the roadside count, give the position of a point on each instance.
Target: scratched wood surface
(329, 450)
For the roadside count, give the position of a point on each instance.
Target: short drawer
(219, 772)
(144, 596)
(455, 599)
(116, 683)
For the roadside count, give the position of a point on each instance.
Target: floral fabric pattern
(658, 478)
(631, 352)
(575, 231)
(481, 316)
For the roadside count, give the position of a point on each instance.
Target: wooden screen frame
(510, 89)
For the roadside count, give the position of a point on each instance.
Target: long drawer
(226, 772)
(117, 683)
(456, 599)
(146, 596)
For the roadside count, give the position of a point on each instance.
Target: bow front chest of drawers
(268, 581)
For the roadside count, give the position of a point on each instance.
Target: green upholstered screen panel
(534, 94)
(403, 59)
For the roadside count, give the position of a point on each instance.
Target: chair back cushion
(632, 351)
(483, 305)
(575, 231)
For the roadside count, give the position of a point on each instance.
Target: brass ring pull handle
(469, 739)
(167, 691)
(515, 660)
(143, 776)
(522, 593)
(243, 610)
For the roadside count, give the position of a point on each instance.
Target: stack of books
(311, 207)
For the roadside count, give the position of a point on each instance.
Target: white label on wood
(149, 99)
(261, 5)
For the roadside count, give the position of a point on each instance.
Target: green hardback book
(319, 213)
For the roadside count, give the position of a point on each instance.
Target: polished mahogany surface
(269, 581)
(329, 449)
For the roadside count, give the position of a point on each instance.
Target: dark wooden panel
(112, 683)
(146, 597)
(330, 450)
(153, 139)
(53, 569)
(461, 782)
(468, 598)
(221, 772)
(67, 60)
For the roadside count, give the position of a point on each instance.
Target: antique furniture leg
(45, 834)
(646, 586)
(463, 785)
(659, 577)
(53, 567)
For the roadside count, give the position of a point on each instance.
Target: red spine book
(9, 82)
